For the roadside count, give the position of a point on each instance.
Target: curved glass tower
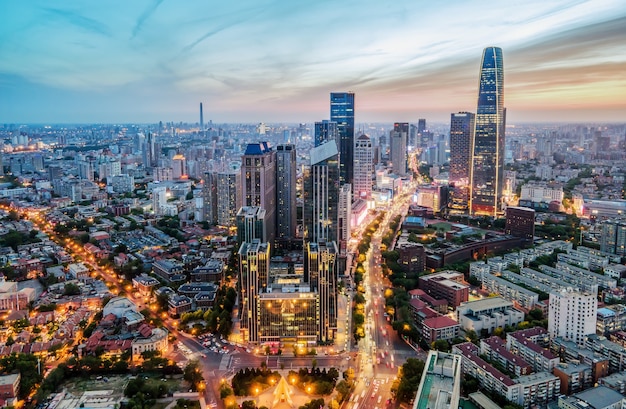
(486, 177)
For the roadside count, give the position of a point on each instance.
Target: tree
(409, 377)
(441, 345)
(472, 336)
(71, 289)
(192, 374)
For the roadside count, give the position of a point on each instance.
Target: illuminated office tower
(325, 131)
(321, 194)
(251, 224)
(486, 176)
(258, 182)
(461, 139)
(398, 138)
(344, 214)
(285, 192)
(228, 197)
(254, 264)
(363, 168)
(210, 197)
(342, 112)
(322, 272)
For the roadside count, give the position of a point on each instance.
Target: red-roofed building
(520, 343)
(439, 305)
(441, 327)
(495, 349)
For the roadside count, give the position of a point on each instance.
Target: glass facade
(488, 151)
(288, 318)
(461, 139)
(321, 194)
(322, 273)
(342, 112)
(325, 131)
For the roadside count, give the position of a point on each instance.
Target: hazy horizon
(261, 61)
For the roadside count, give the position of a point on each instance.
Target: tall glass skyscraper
(325, 131)
(461, 138)
(342, 112)
(488, 153)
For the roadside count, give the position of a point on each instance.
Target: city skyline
(271, 62)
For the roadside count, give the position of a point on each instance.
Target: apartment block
(521, 344)
(448, 285)
(488, 314)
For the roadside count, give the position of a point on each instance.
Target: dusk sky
(254, 60)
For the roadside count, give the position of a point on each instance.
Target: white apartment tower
(572, 315)
(363, 168)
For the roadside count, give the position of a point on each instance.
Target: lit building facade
(258, 180)
(363, 168)
(325, 131)
(461, 140)
(342, 112)
(289, 318)
(321, 194)
(285, 191)
(321, 259)
(254, 263)
(399, 138)
(486, 176)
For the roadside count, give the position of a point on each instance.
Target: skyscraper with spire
(487, 172)
(201, 121)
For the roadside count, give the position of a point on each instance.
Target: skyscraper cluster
(267, 220)
(477, 143)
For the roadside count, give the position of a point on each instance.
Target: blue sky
(258, 60)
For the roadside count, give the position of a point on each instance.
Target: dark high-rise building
(209, 195)
(398, 139)
(251, 224)
(326, 131)
(254, 264)
(421, 125)
(342, 112)
(285, 192)
(321, 194)
(258, 181)
(461, 139)
(613, 236)
(520, 222)
(488, 156)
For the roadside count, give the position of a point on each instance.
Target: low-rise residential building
(9, 388)
(509, 291)
(144, 284)
(617, 382)
(212, 271)
(569, 352)
(575, 377)
(487, 314)
(448, 285)
(615, 353)
(616, 271)
(438, 305)
(151, 339)
(495, 350)
(441, 327)
(77, 270)
(611, 319)
(169, 269)
(528, 390)
(179, 304)
(600, 397)
(520, 343)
